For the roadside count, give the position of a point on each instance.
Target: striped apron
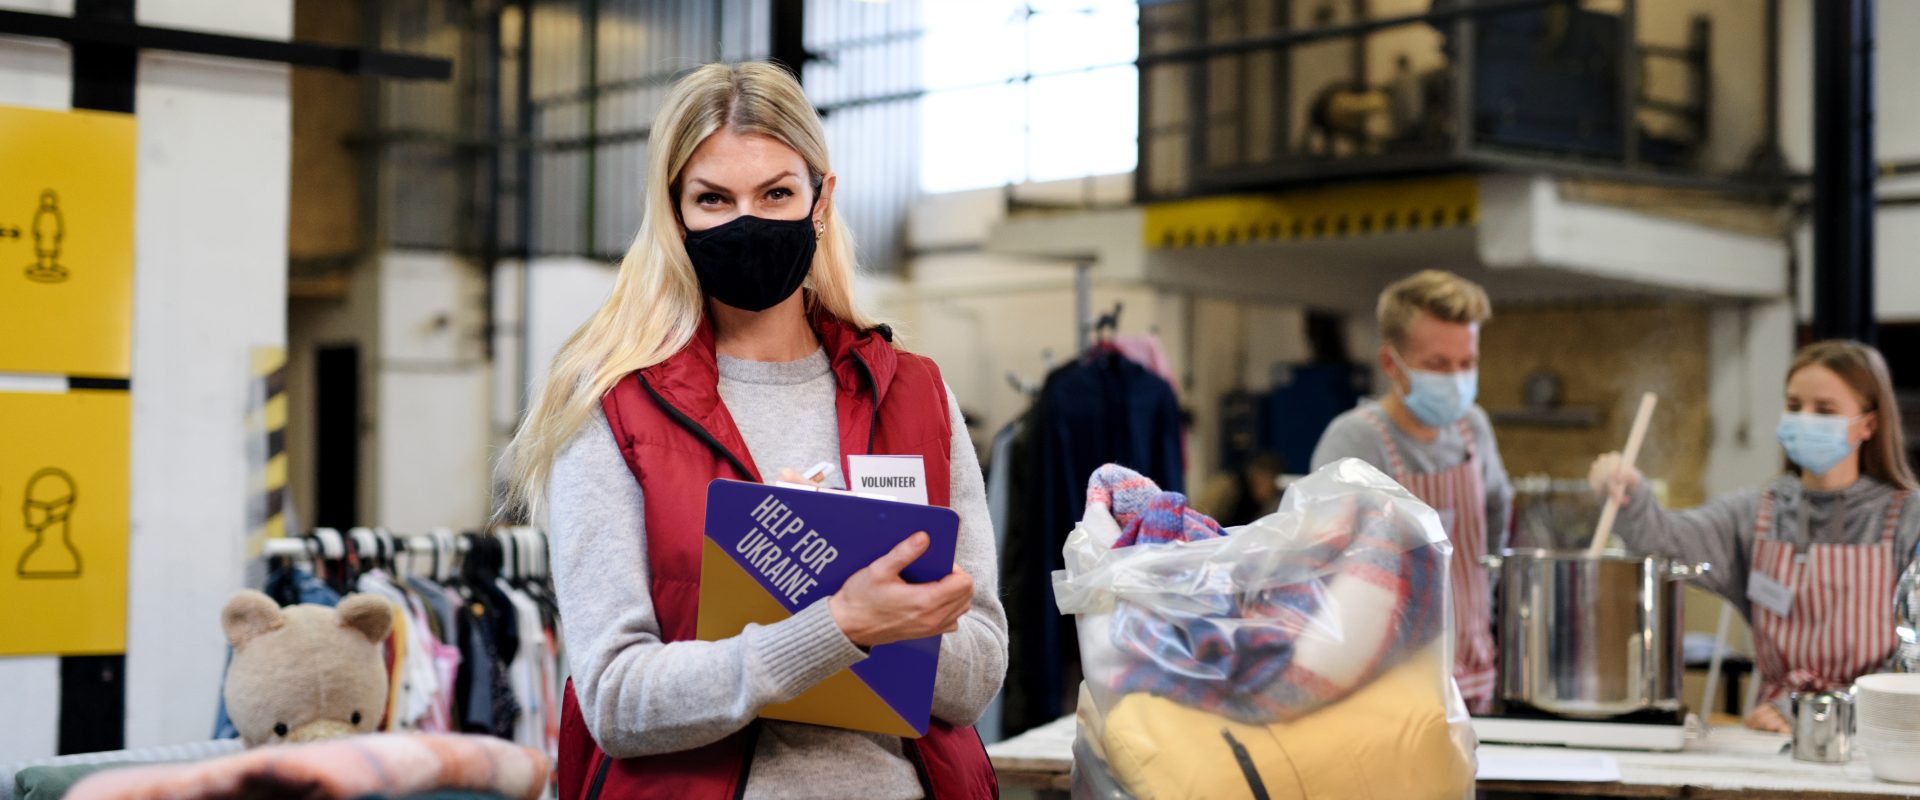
(1840, 625)
(1459, 494)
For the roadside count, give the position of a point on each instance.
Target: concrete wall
(209, 285)
(1623, 350)
(352, 319)
(1897, 139)
(427, 394)
(325, 213)
(431, 418)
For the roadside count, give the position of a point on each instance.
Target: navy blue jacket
(1096, 410)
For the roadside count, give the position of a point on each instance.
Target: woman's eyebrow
(768, 184)
(778, 178)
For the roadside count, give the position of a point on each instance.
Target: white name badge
(898, 477)
(1770, 594)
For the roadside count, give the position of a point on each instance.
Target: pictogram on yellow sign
(63, 523)
(66, 241)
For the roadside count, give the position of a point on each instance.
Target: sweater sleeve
(1719, 533)
(638, 695)
(1499, 487)
(973, 660)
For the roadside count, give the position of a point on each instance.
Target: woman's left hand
(1765, 717)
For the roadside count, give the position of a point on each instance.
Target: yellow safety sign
(63, 522)
(66, 241)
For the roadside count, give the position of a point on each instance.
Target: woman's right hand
(876, 606)
(1610, 476)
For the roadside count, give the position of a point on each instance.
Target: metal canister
(1823, 726)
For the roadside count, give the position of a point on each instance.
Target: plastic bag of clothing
(1307, 655)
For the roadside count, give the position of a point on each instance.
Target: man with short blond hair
(1428, 434)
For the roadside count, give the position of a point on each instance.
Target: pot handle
(1492, 561)
(1679, 572)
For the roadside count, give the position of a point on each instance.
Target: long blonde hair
(1860, 366)
(656, 305)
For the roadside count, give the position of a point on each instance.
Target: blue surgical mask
(1816, 442)
(1439, 399)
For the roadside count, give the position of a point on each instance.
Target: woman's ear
(1869, 425)
(824, 205)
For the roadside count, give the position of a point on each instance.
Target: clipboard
(771, 551)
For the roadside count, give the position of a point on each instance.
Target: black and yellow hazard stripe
(267, 419)
(1328, 212)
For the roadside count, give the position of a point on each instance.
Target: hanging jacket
(1096, 410)
(677, 436)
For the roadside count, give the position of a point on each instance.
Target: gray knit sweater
(1721, 532)
(1353, 435)
(642, 697)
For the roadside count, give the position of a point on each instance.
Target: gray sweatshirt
(1352, 435)
(1721, 532)
(642, 697)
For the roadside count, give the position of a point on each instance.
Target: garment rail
(476, 643)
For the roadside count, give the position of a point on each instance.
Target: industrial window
(1027, 91)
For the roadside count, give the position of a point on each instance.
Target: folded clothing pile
(388, 765)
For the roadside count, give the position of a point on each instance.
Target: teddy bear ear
(369, 615)
(247, 615)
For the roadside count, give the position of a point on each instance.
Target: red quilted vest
(677, 436)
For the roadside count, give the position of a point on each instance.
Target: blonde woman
(731, 348)
(1811, 558)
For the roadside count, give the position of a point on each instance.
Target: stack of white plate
(1889, 724)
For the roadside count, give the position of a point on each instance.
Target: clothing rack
(477, 646)
(525, 549)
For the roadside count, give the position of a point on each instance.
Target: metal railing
(1247, 95)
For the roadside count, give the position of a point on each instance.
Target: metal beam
(1277, 40)
(1843, 170)
(121, 33)
(529, 192)
(787, 30)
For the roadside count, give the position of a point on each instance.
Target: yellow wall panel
(66, 241)
(63, 522)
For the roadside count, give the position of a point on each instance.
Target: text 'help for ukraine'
(791, 564)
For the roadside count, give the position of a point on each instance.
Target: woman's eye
(709, 199)
(779, 194)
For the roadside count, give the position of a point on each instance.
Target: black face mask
(751, 263)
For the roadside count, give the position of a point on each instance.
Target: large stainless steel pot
(1590, 636)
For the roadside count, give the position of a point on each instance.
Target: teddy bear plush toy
(305, 672)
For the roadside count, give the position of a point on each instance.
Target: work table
(1728, 762)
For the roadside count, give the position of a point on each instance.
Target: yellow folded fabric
(1387, 741)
